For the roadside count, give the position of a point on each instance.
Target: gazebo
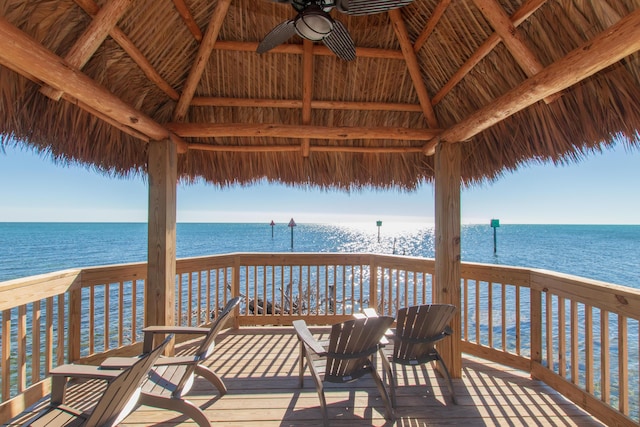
(391, 94)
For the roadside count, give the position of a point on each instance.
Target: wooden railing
(580, 336)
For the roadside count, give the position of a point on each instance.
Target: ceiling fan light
(313, 24)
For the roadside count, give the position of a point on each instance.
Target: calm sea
(605, 252)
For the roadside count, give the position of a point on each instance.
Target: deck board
(259, 367)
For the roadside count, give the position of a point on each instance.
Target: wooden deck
(259, 367)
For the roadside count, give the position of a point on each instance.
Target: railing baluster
(48, 338)
(199, 300)
(518, 322)
(107, 310)
(92, 320)
(120, 313)
(503, 315)
(189, 305)
(36, 324)
(605, 373)
(549, 327)
(6, 354)
(490, 312)
(60, 329)
(562, 339)
(588, 349)
(575, 360)
(21, 354)
(623, 369)
(477, 305)
(465, 311)
(134, 310)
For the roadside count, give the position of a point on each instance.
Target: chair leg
(383, 393)
(212, 377)
(179, 405)
(449, 382)
(386, 369)
(301, 357)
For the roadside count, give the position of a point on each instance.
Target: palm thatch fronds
(298, 114)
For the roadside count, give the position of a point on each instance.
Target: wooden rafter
(186, 16)
(204, 52)
(297, 104)
(431, 25)
(98, 30)
(91, 8)
(20, 52)
(518, 18)
(501, 23)
(607, 48)
(413, 66)
(307, 91)
(219, 130)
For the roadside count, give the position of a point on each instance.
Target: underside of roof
(510, 81)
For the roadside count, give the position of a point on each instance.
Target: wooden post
(161, 268)
(536, 326)
(447, 230)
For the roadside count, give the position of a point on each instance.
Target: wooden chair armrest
(118, 362)
(83, 371)
(175, 360)
(304, 334)
(176, 330)
(60, 374)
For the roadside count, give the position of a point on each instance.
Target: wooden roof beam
(98, 30)
(247, 130)
(607, 48)
(295, 148)
(91, 8)
(510, 36)
(204, 52)
(297, 103)
(431, 25)
(518, 18)
(414, 67)
(20, 52)
(186, 16)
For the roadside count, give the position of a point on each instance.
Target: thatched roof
(511, 81)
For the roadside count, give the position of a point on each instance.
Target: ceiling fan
(314, 23)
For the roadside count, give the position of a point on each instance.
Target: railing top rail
(619, 299)
(17, 292)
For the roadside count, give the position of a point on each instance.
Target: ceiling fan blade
(369, 7)
(280, 34)
(339, 42)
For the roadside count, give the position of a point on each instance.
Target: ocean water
(604, 252)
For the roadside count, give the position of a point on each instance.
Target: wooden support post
(447, 229)
(161, 268)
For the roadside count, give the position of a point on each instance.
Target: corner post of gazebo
(447, 250)
(161, 266)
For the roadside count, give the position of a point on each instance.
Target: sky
(604, 188)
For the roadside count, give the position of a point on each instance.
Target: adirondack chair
(347, 356)
(418, 329)
(171, 378)
(118, 400)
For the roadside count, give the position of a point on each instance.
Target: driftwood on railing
(580, 336)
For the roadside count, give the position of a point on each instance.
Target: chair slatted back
(122, 392)
(351, 345)
(418, 328)
(206, 347)
(208, 343)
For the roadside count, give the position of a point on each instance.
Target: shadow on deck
(259, 367)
